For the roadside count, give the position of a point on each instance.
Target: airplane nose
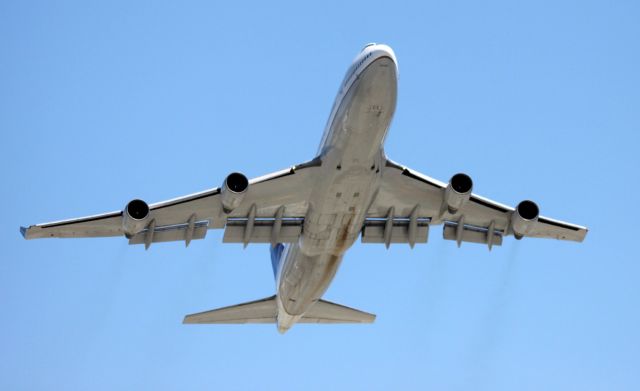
(367, 45)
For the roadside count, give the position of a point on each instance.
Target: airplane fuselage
(351, 151)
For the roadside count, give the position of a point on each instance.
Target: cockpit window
(367, 45)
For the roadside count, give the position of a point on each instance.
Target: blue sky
(103, 102)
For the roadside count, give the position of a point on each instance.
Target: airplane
(312, 213)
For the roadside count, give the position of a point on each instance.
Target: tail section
(266, 311)
(259, 311)
(276, 255)
(327, 312)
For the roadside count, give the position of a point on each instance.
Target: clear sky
(103, 102)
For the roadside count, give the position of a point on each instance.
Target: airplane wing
(270, 208)
(409, 202)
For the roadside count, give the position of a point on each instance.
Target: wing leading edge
(269, 200)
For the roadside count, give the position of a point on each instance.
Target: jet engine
(233, 191)
(135, 217)
(457, 192)
(524, 218)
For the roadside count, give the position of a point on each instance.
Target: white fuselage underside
(351, 153)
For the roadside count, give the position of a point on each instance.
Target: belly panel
(364, 117)
(350, 161)
(305, 279)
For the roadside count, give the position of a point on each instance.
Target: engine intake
(135, 217)
(233, 191)
(457, 192)
(524, 218)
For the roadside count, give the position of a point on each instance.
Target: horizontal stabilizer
(259, 311)
(265, 311)
(327, 312)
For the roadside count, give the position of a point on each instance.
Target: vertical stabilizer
(276, 255)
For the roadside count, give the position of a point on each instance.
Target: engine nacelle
(135, 217)
(524, 218)
(233, 191)
(457, 192)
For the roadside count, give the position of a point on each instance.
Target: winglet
(23, 231)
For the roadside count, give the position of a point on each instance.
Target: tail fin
(276, 254)
(265, 311)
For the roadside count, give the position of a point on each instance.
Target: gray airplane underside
(312, 213)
